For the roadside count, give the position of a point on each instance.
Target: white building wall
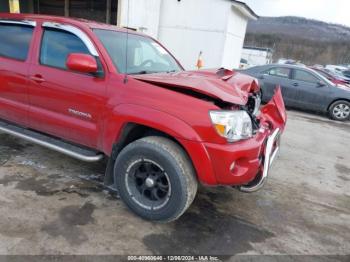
(187, 27)
(236, 30)
(255, 57)
(143, 15)
(190, 26)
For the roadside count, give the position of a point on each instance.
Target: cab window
(301, 75)
(279, 72)
(15, 41)
(57, 45)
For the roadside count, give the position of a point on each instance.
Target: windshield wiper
(143, 72)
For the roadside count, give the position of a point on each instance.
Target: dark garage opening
(49, 7)
(104, 11)
(4, 7)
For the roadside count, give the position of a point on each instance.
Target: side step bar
(51, 143)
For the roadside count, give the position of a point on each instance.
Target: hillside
(301, 28)
(310, 41)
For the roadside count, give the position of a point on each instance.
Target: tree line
(306, 51)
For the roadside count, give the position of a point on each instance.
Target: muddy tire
(340, 110)
(155, 178)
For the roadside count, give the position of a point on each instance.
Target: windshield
(324, 79)
(145, 56)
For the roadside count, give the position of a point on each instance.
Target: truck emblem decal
(78, 113)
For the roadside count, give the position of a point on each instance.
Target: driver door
(65, 104)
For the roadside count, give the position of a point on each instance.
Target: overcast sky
(334, 11)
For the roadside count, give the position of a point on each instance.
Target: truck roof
(60, 19)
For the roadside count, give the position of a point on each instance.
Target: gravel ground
(47, 205)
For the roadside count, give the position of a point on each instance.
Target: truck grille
(254, 103)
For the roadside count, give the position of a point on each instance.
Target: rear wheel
(340, 110)
(155, 178)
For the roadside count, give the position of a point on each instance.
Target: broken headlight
(233, 125)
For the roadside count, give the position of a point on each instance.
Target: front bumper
(246, 164)
(271, 151)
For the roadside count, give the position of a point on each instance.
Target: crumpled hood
(222, 84)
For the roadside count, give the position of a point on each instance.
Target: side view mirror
(321, 83)
(82, 63)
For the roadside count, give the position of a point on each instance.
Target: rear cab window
(15, 40)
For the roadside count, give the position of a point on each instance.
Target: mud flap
(109, 180)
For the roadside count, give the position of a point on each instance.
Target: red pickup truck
(91, 91)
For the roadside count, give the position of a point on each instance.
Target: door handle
(37, 78)
(295, 84)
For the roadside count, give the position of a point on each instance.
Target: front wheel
(340, 110)
(155, 178)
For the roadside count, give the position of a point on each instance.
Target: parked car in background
(336, 68)
(346, 73)
(318, 66)
(68, 85)
(284, 61)
(334, 78)
(339, 74)
(303, 88)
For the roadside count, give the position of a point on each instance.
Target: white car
(336, 68)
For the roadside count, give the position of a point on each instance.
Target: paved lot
(45, 208)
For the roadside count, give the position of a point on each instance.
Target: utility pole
(66, 8)
(14, 6)
(108, 11)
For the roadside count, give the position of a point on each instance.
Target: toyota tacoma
(95, 91)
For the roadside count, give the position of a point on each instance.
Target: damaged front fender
(273, 117)
(274, 112)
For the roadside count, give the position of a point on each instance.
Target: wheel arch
(336, 100)
(132, 131)
(129, 119)
(151, 123)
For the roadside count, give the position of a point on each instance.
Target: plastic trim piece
(76, 31)
(19, 22)
(270, 155)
